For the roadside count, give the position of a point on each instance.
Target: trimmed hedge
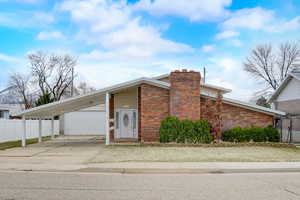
(255, 134)
(184, 131)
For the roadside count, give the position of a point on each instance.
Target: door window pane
(126, 120)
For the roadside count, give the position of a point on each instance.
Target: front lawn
(8, 145)
(196, 154)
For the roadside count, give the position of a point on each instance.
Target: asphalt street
(67, 185)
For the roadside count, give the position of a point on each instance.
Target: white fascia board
(249, 106)
(225, 90)
(161, 76)
(279, 89)
(296, 75)
(252, 106)
(113, 88)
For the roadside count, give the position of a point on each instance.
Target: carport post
(24, 131)
(52, 127)
(107, 118)
(40, 130)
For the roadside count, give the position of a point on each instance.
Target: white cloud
(25, 19)
(194, 10)
(113, 26)
(228, 64)
(258, 19)
(98, 15)
(228, 72)
(208, 48)
(49, 35)
(6, 58)
(250, 18)
(227, 34)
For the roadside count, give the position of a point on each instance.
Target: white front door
(127, 123)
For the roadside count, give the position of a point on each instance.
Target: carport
(102, 96)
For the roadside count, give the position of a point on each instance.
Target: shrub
(256, 134)
(184, 131)
(168, 129)
(202, 132)
(272, 134)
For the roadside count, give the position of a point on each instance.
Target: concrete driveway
(62, 153)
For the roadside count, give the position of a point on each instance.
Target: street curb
(184, 170)
(95, 170)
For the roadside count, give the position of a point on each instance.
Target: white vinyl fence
(12, 130)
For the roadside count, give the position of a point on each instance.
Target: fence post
(40, 130)
(52, 127)
(24, 131)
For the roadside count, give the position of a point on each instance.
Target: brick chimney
(185, 94)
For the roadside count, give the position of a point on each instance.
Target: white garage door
(84, 123)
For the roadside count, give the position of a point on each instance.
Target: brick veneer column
(211, 110)
(185, 94)
(153, 107)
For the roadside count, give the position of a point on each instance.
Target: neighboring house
(287, 98)
(9, 110)
(134, 109)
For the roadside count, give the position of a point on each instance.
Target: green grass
(196, 154)
(8, 145)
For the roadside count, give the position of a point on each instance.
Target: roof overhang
(85, 101)
(280, 88)
(98, 97)
(253, 107)
(250, 106)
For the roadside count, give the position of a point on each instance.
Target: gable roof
(252, 107)
(98, 97)
(224, 90)
(294, 74)
(87, 100)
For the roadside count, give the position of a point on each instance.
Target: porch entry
(126, 123)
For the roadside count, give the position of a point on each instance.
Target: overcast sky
(117, 40)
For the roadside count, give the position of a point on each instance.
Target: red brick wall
(233, 116)
(154, 107)
(211, 110)
(185, 95)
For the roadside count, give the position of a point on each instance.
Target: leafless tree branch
(272, 66)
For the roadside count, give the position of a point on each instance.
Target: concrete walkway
(76, 153)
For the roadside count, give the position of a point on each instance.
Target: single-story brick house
(134, 109)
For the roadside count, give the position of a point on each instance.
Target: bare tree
(83, 88)
(53, 73)
(272, 66)
(20, 84)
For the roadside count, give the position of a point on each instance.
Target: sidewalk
(194, 167)
(161, 167)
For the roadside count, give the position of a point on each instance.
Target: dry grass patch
(196, 154)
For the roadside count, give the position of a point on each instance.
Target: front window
(4, 114)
